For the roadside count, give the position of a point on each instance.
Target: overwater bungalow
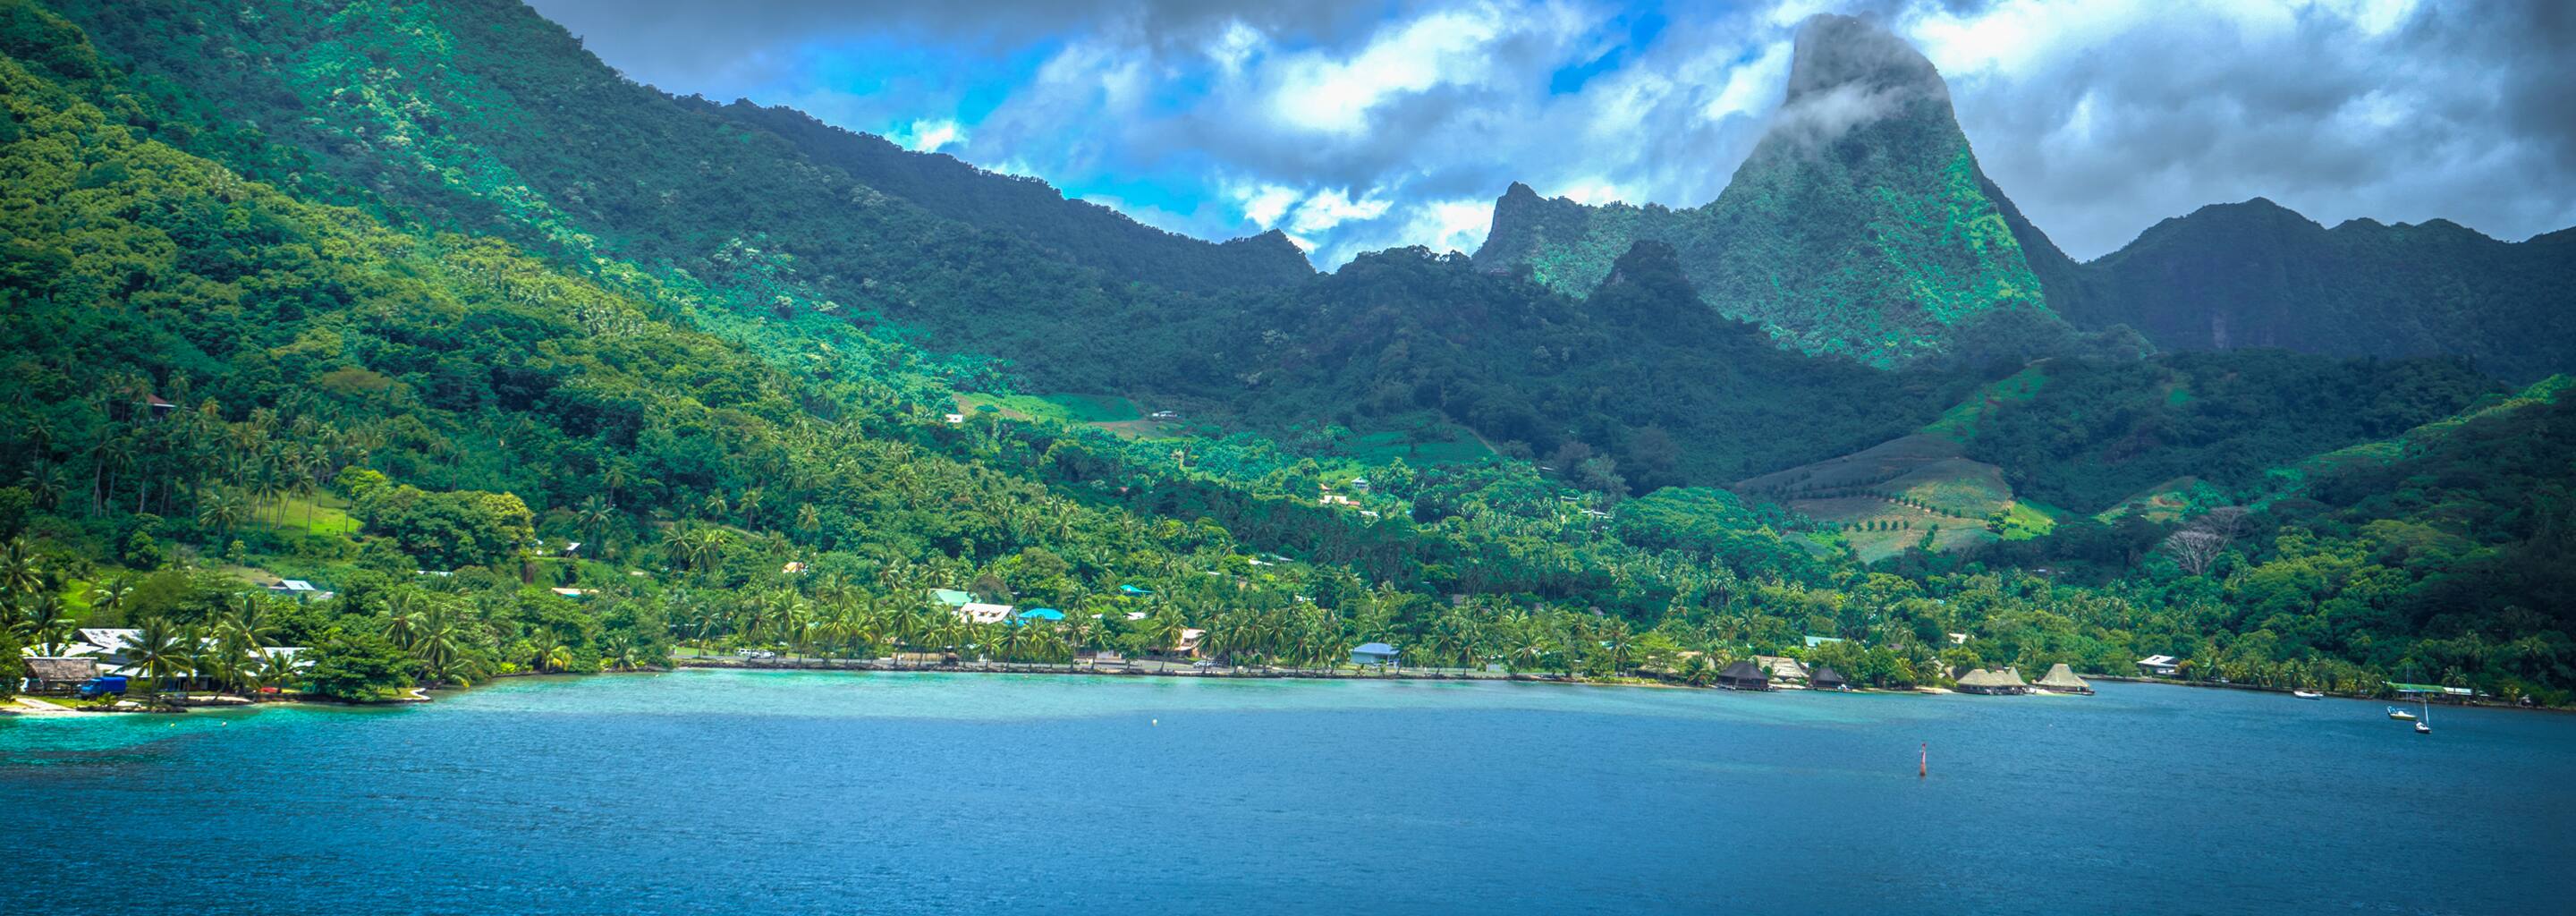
(1744, 675)
(2062, 679)
(1826, 678)
(1993, 683)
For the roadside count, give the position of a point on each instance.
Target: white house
(2160, 666)
(978, 612)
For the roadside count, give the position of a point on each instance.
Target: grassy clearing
(1959, 423)
(2026, 520)
(2166, 501)
(1119, 416)
(1445, 444)
(322, 515)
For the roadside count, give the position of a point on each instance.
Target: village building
(1993, 683)
(300, 590)
(59, 675)
(977, 612)
(950, 597)
(2062, 679)
(1189, 642)
(2160, 666)
(1047, 614)
(1744, 675)
(1375, 653)
(108, 645)
(1783, 669)
(1826, 678)
(1814, 641)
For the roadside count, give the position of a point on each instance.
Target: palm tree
(160, 651)
(47, 482)
(273, 669)
(19, 574)
(221, 512)
(594, 517)
(1014, 641)
(548, 652)
(1081, 632)
(111, 595)
(44, 623)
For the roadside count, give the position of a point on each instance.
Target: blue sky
(1357, 126)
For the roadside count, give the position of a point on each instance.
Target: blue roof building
(1374, 653)
(1132, 590)
(1041, 613)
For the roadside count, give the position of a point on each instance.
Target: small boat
(2400, 714)
(2307, 694)
(2425, 727)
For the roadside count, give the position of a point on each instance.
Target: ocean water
(809, 792)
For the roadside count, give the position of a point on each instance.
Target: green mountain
(482, 116)
(427, 288)
(1083, 233)
(1860, 224)
(2258, 275)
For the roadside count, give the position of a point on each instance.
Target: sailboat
(2425, 725)
(2307, 694)
(2400, 714)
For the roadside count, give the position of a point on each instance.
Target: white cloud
(1450, 225)
(1235, 46)
(1263, 205)
(1327, 209)
(929, 135)
(1356, 126)
(1318, 91)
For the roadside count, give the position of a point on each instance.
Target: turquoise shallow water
(786, 792)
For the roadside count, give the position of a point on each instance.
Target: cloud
(928, 135)
(1356, 125)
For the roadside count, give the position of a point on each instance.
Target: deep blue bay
(788, 792)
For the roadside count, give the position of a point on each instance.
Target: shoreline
(1168, 670)
(21, 709)
(2329, 694)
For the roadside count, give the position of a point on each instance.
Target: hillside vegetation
(369, 295)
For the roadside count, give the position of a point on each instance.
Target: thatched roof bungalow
(2062, 679)
(51, 674)
(1826, 678)
(1782, 668)
(1996, 683)
(1744, 675)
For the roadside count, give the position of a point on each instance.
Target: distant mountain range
(1859, 236)
(2256, 274)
